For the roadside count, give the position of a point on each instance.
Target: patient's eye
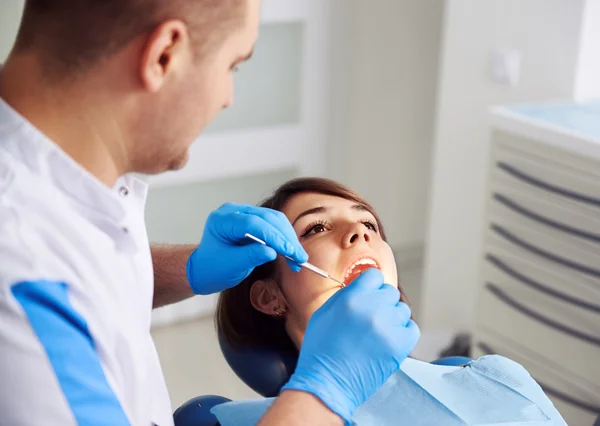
(315, 228)
(370, 225)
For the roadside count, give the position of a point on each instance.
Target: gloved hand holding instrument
(226, 256)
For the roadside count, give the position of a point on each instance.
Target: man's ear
(165, 49)
(265, 297)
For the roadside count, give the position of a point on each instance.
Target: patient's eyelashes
(320, 226)
(316, 227)
(370, 225)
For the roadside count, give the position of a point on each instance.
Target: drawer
(550, 246)
(523, 279)
(548, 154)
(567, 280)
(575, 187)
(577, 401)
(544, 216)
(503, 179)
(549, 327)
(545, 308)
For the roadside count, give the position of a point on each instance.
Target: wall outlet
(506, 67)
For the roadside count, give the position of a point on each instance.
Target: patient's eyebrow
(322, 209)
(360, 208)
(314, 210)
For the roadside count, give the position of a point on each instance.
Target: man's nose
(228, 102)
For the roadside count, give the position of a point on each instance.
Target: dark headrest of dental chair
(264, 371)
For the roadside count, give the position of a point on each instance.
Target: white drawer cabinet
(538, 301)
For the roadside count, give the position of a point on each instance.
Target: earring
(279, 311)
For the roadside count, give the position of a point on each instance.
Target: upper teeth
(365, 261)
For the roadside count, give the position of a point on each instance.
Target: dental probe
(306, 265)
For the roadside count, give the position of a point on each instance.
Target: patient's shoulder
(516, 377)
(502, 369)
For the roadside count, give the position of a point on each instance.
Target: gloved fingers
(371, 279)
(256, 255)
(403, 313)
(414, 328)
(279, 221)
(293, 266)
(390, 293)
(406, 339)
(413, 333)
(260, 228)
(232, 208)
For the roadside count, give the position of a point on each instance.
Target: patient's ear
(266, 297)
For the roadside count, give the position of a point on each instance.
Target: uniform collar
(41, 156)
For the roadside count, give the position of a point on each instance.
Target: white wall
(547, 33)
(10, 16)
(588, 75)
(384, 88)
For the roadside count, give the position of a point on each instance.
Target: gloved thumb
(371, 279)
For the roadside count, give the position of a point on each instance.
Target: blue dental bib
(492, 390)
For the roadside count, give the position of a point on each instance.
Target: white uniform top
(76, 289)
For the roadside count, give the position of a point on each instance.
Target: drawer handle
(541, 287)
(550, 390)
(546, 186)
(513, 303)
(549, 222)
(543, 253)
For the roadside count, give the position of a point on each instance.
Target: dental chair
(264, 371)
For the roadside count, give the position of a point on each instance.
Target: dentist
(92, 92)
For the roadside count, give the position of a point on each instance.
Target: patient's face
(340, 238)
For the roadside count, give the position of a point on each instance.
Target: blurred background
(473, 127)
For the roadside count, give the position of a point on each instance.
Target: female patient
(343, 235)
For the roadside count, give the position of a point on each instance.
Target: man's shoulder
(28, 250)
(24, 193)
(29, 202)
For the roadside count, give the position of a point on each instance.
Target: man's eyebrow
(309, 212)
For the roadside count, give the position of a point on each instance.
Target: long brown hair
(236, 319)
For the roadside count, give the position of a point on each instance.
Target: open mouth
(357, 268)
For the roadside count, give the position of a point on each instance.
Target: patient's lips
(357, 268)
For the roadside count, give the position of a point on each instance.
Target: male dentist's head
(139, 79)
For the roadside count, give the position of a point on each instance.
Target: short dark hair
(73, 35)
(236, 319)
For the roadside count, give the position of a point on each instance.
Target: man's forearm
(299, 408)
(171, 284)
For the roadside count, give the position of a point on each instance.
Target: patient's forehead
(309, 200)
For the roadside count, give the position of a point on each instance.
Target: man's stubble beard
(156, 161)
(180, 161)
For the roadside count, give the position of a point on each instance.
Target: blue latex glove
(354, 343)
(225, 257)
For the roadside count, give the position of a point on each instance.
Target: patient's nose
(357, 235)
